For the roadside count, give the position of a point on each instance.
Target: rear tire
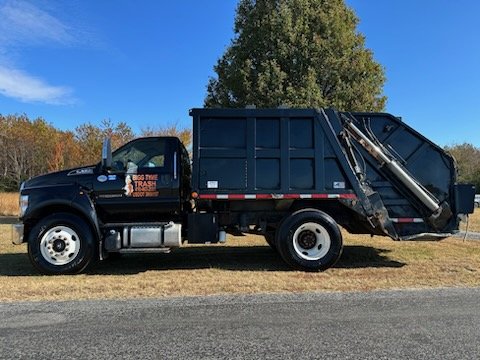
(309, 240)
(61, 243)
(270, 239)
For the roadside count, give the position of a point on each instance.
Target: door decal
(128, 185)
(141, 185)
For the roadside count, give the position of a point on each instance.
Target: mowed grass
(9, 204)
(247, 265)
(473, 222)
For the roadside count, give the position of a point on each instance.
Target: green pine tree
(299, 53)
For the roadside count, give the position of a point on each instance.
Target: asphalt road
(470, 235)
(425, 324)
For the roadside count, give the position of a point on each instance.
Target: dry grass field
(473, 222)
(9, 204)
(247, 265)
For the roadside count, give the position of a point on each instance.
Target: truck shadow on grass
(231, 258)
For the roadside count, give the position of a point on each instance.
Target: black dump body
(253, 166)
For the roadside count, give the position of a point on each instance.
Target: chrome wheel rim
(311, 241)
(60, 245)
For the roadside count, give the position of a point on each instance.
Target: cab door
(143, 183)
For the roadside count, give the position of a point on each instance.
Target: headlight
(23, 204)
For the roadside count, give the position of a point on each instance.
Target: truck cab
(145, 180)
(127, 202)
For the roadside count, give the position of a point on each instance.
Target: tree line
(467, 157)
(31, 147)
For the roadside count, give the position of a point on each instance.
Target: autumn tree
(300, 53)
(468, 162)
(173, 129)
(119, 133)
(34, 147)
(29, 148)
(90, 138)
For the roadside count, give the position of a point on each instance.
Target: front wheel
(61, 243)
(309, 240)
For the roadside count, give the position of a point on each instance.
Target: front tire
(61, 243)
(309, 240)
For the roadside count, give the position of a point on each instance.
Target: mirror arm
(106, 155)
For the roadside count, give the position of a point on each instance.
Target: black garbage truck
(291, 175)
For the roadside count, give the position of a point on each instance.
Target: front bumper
(17, 234)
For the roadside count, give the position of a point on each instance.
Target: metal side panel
(267, 151)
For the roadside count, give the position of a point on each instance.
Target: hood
(64, 177)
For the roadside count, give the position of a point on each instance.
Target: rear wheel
(61, 243)
(309, 240)
(270, 239)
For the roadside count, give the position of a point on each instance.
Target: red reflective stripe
(405, 220)
(291, 196)
(348, 196)
(263, 196)
(236, 196)
(207, 196)
(319, 196)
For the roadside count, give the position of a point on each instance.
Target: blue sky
(148, 62)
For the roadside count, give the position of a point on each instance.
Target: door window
(141, 154)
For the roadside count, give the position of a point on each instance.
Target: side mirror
(106, 154)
